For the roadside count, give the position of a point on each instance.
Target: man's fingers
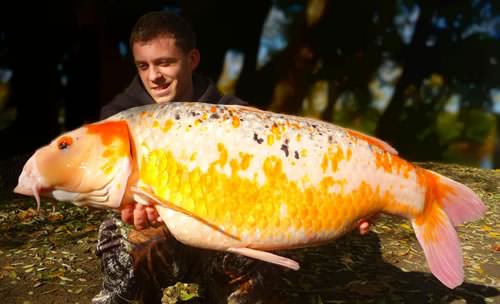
(152, 216)
(364, 227)
(127, 214)
(140, 217)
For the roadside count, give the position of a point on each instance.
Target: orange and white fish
(246, 181)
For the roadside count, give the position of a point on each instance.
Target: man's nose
(154, 74)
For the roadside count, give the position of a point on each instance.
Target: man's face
(164, 69)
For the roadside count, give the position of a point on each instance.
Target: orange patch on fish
(235, 166)
(245, 160)
(270, 139)
(391, 163)
(272, 167)
(236, 121)
(114, 136)
(167, 125)
(434, 196)
(333, 159)
(223, 155)
(275, 129)
(109, 131)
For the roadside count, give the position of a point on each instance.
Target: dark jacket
(136, 95)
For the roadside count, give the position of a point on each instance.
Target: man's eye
(164, 63)
(142, 66)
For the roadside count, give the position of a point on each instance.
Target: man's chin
(162, 99)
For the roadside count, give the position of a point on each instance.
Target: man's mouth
(161, 87)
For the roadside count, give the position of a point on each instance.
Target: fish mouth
(30, 182)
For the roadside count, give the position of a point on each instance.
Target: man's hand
(140, 216)
(364, 227)
(364, 224)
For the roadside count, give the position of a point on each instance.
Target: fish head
(88, 166)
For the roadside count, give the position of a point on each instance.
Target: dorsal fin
(373, 141)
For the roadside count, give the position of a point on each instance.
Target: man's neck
(189, 96)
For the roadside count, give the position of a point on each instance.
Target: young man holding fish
(165, 54)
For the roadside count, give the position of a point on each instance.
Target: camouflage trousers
(137, 265)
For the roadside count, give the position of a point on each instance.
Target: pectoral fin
(150, 197)
(266, 257)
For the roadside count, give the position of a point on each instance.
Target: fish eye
(64, 142)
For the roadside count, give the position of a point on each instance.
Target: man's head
(164, 49)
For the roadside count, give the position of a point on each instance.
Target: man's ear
(194, 58)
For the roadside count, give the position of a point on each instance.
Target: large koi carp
(246, 181)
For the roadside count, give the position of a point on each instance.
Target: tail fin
(448, 203)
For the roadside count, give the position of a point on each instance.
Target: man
(138, 264)
(164, 51)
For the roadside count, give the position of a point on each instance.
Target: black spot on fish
(330, 139)
(257, 139)
(287, 141)
(193, 113)
(296, 155)
(314, 126)
(284, 148)
(177, 117)
(215, 116)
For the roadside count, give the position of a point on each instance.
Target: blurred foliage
(385, 67)
(468, 137)
(337, 52)
(478, 125)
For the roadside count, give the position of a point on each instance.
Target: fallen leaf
(65, 278)
(56, 216)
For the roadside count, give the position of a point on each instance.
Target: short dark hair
(161, 23)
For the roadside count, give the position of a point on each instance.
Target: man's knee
(113, 250)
